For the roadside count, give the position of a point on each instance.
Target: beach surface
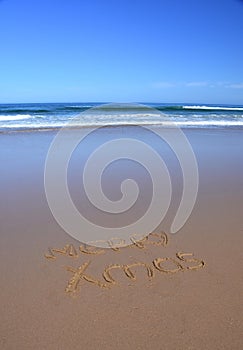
(158, 304)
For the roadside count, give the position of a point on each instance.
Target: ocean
(37, 116)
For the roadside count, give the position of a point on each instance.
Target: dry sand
(189, 309)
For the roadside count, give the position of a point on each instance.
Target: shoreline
(56, 129)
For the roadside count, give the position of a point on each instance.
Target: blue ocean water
(14, 117)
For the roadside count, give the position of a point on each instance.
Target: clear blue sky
(121, 51)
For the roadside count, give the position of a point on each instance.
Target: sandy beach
(160, 303)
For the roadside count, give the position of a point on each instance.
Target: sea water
(34, 116)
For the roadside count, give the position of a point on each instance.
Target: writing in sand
(182, 261)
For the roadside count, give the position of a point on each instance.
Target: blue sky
(121, 51)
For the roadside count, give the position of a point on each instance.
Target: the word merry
(157, 239)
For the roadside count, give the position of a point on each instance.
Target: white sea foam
(22, 126)
(98, 119)
(214, 108)
(4, 118)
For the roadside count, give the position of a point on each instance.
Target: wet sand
(187, 308)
